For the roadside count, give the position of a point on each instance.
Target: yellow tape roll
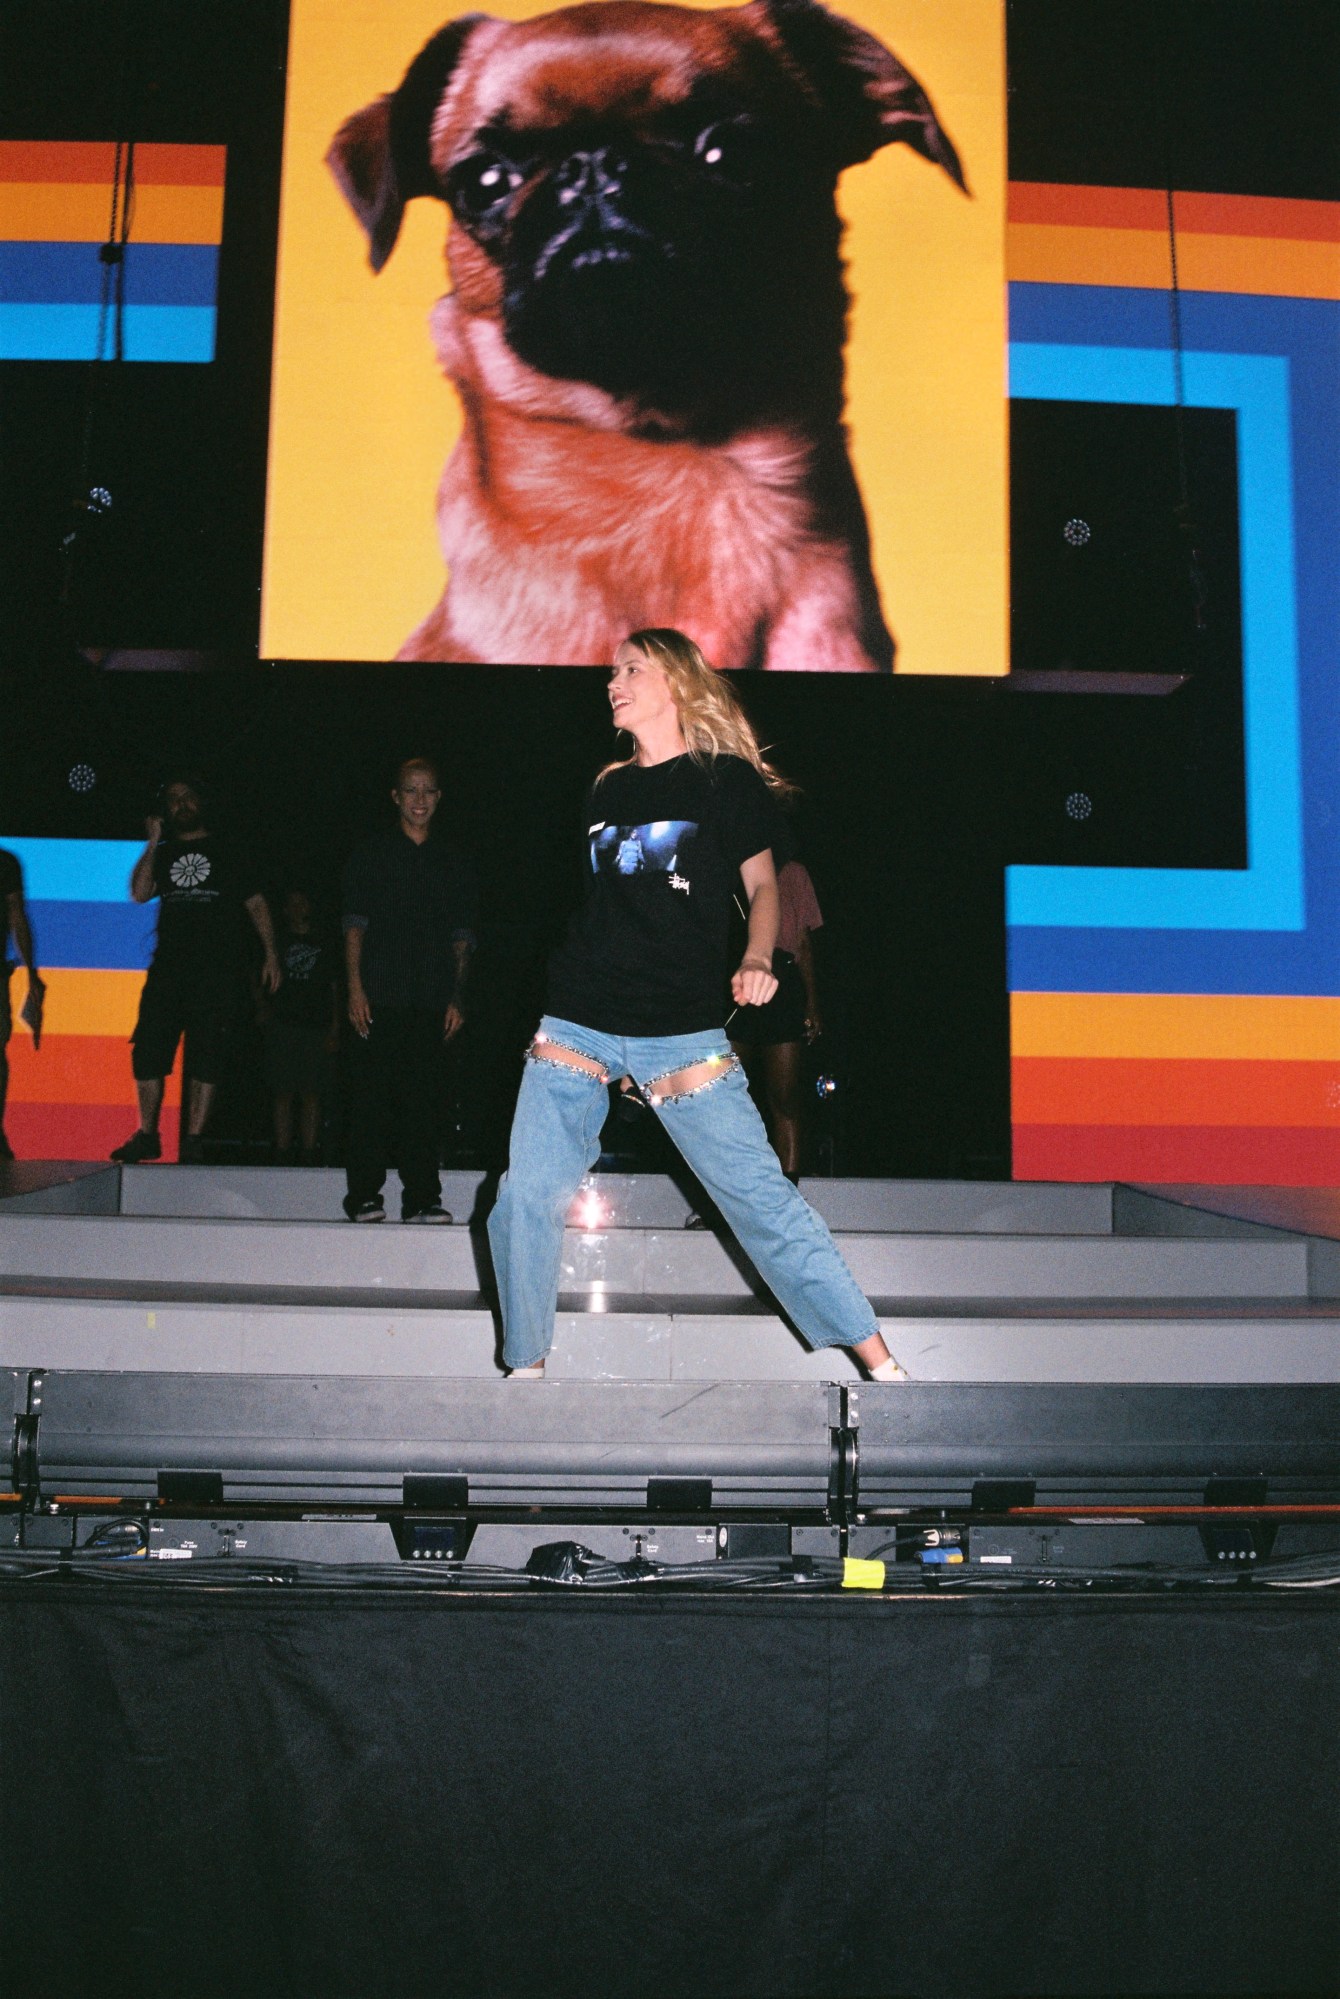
(857, 1574)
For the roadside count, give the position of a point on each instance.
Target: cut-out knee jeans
(556, 1140)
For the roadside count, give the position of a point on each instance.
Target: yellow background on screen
(362, 421)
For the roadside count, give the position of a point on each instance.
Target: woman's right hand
(360, 1013)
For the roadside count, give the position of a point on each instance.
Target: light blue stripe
(1269, 893)
(70, 333)
(75, 870)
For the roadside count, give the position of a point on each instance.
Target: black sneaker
(365, 1211)
(435, 1213)
(139, 1147)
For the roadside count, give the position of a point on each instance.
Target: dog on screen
(646, 322)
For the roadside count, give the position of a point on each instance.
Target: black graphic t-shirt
(201, 883)
(308, 964)
(647, 953)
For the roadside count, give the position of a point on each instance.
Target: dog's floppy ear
(380, 155)
(869, 98)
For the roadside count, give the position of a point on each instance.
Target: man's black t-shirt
(647, 953)
(202, 883)
(309, 965)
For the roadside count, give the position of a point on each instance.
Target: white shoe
(535, 1372)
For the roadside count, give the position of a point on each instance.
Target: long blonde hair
(710, 716)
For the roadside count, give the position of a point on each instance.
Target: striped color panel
(1225, 243)
(55, 213)
(73, 1098)
(1220, 1088)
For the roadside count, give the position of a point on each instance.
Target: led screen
(637, 395)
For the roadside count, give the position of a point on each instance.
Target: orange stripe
(99, 1003)
(1037, 253)
(79, 212)
(1087, 207)
(76, 1069)
(1135, 1092)
(1179, 1026)
(80, 160)
(1267, 265)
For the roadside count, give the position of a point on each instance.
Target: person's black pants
(394, 1093)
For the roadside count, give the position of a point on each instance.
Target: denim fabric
(556, 1140)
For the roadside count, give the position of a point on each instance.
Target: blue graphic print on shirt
(656, 848)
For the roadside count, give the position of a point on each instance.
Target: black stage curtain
(262, 1791)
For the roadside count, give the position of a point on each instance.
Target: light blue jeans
(556, 1140)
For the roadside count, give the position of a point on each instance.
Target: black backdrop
(216, 1792)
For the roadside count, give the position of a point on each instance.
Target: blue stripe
(70, 333)
(71, 274)
(94, 936)
(75, 870)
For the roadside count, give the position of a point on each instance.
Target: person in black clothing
(409, 905)
(638, 990)
(300, 1024)
(194, 980)
(16, 926)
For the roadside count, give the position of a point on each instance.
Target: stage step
(1286, 1342)
(638, 1200)
(333, 1263)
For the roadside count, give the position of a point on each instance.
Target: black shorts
(6, 1016)
(198, 1001)
(783, 1018)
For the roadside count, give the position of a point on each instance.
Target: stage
(828, 1703)
(252, 1269)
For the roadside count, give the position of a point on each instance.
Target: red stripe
(61, 160)
(1259, 215)
(1071, 207)
(1214, 1155)
(1087, 207)
(76, 1131)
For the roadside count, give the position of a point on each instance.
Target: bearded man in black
(203, 887)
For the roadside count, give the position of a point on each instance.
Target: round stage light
(1078, 805)
(825, 1086)
(1077, 532)
(82, 777)
(99, 500)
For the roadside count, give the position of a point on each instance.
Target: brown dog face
(643, 195)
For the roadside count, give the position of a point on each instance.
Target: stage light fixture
(82, 777)
(1078, 805)
(825, 1086)
(1077, 533)
(99, 500)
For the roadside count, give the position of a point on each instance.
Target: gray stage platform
(253, 1270)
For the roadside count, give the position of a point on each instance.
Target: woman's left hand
(753, 984)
